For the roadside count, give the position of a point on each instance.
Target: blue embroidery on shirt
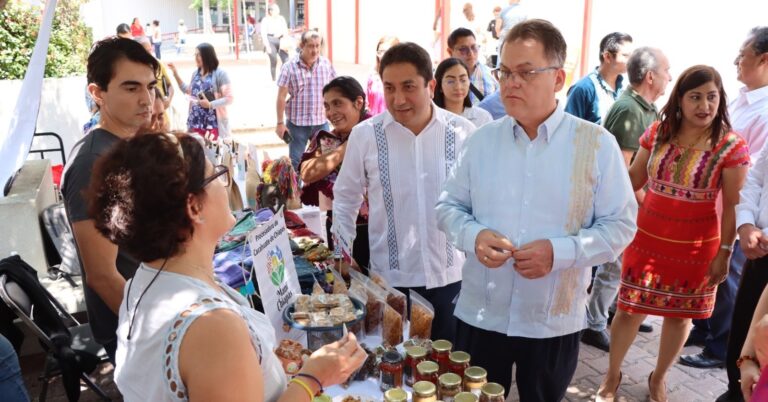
(450, 159)
(389, 204)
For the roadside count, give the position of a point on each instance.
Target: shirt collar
(755, 95)
(639, 99)
(437, 113)
(304, 65)
(604, 84)
(547, 128)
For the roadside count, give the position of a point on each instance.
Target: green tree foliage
(68, 48)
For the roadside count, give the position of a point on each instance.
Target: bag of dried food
(391, 327)
(339, 286)
(422, 314)
(357, 290)
(377, 300)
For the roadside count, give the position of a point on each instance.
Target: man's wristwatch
(728, 247)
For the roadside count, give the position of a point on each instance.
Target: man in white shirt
(749, 117)
(401, 158)
(535, 200)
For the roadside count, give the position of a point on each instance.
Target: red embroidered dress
(665, 267)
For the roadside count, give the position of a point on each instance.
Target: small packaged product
(392, 327)
(339, 286)
(422, 314)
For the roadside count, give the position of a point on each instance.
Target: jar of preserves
(395, 395)
(427, 371)
(465, 397)
(391, 370)
(449, 385)
(492, 392)
(424, 391)
(413, 356)
(474, 379)
(441, 350)
(458, 362)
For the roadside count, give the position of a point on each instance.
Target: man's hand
(280, 130)
(534, 260)
(492, 248)
(752, 241)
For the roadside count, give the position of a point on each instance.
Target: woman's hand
(718, 268)
(172, 67)
(750, 374)
(336, 362)
(204, 103)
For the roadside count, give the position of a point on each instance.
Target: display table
(367, 391)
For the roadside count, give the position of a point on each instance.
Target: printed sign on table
(275, 272)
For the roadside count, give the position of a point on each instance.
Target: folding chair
(71, 349)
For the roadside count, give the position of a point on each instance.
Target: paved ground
(253, 117)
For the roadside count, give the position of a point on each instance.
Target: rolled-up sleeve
(614, 222)
(454, 206)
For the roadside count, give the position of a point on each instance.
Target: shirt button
(528, 174)
(522, 231)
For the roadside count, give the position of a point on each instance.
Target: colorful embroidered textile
(666, 265)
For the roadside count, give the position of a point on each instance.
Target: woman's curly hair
(138, 193)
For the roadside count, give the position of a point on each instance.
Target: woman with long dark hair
(682, 250)
(210, 92)
(452, 91)
(344, 103)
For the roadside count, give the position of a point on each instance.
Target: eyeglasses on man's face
(466, 50)
(504, 75)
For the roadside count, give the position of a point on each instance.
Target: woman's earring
(677, 114)
(201, 221)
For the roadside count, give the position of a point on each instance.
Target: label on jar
(387, 380)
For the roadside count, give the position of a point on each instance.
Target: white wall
(689, 31)
(105, 15)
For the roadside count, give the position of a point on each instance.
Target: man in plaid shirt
(303, 77)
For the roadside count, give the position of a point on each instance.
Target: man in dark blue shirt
(591, 97)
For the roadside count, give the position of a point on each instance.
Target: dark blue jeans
(12, 387)
(715, 329)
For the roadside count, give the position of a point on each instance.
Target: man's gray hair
(642, 60)
(311, 34)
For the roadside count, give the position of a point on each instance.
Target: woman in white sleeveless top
(181, 334)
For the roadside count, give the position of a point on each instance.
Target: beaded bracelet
(744, 358)
(303, 385)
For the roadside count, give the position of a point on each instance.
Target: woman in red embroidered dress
(681, 251)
